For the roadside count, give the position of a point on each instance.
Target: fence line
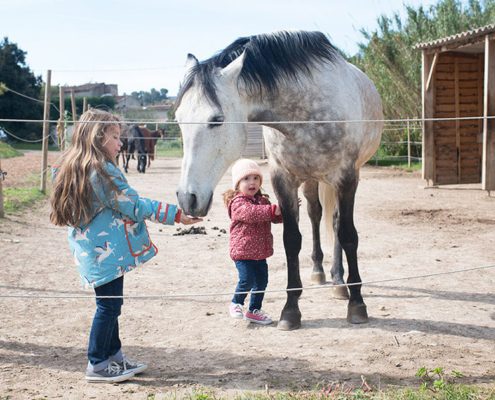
(295, 122)
(218, 294)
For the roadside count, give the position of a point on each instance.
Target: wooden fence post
(46, 131)
(61, 119)
(1, 191)
(74, 110)
(408, 144)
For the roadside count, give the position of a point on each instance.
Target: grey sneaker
(129, 365)
(112, 373)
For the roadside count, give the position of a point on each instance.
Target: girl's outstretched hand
(188, 220)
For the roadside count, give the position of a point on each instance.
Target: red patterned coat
(250, 229)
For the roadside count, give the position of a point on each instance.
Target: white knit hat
(243, 168)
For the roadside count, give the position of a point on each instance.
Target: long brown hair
(72, 195)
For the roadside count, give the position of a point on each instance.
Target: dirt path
(405, 231)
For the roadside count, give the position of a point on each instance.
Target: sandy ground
(190, 342)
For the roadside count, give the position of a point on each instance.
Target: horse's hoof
(289, 320)
(357, 314)
(319, 278)
(288, 326)
(341, 293)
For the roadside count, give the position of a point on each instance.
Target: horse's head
(209, 102)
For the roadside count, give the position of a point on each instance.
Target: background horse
(150, 139)
(275, 79)
(136, 143)
(124, 134)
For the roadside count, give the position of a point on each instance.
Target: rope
(217, 294)
(21, 139)
(30, 98)
(166, 122)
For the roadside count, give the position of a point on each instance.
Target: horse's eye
(215, 121)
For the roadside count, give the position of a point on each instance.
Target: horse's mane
(269, 60)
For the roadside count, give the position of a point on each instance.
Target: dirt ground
(406, 231)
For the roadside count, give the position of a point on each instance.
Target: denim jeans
(104, 341)
(253, 275)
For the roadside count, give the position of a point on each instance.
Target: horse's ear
(234, 68)
(191, 62)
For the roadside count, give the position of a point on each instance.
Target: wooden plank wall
(459, 93)
(255, 144)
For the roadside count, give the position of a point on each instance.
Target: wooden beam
(432, 71)
(488, 160)
(1, 191)
(61, 119)
(46, 132)
(428, 151)
(457, 114)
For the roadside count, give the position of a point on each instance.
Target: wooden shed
(458, 94)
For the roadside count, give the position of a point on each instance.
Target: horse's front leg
(126, 162)
(348, 238)
(310, 191)
(286, 192)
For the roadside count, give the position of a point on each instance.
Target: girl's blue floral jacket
(116, 240)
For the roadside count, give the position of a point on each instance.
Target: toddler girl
(251, 241)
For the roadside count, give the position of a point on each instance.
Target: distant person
(107, 233)
(251, 241)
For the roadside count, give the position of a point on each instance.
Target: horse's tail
(328, 201)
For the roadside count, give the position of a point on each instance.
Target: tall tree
(388, 56)
(21, 90)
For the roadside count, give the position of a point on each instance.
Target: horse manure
(193, 230)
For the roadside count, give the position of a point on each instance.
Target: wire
(217, 294)
(167, 122)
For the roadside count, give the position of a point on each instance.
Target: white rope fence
(348, 121)
(218, 294)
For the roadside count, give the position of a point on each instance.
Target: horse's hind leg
(286, 192)
(310, 191)
(348, 238)
(337, 271)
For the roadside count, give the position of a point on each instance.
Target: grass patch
(16, 199)
(7, 151)
(336, 392)
(23, 195)
(169, 148)
(33, 146)
(415, 166)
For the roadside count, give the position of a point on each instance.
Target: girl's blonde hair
(72, 195)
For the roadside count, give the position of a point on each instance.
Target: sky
(143, 44)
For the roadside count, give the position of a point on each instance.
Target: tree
(389, 59)
(152, 97)
(15, 76)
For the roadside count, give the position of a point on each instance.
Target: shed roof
(460, 39)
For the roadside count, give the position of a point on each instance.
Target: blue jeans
(253, 275)
(104, 341)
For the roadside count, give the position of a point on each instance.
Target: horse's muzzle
(194, 205)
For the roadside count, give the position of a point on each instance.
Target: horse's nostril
(192, 201)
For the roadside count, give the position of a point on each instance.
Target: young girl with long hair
(107, 233)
